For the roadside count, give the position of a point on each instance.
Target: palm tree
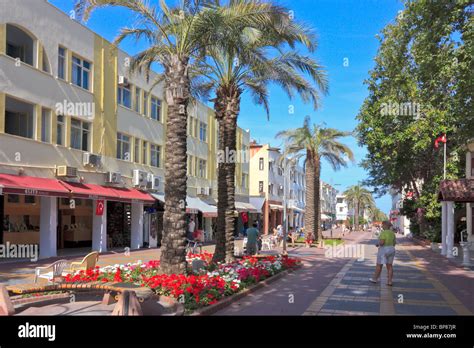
(378, 215)
(249, 60)
(178, 36)
(314, 143)
(358, 198)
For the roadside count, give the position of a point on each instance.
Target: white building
(342, 209)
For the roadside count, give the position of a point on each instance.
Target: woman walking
(386, 253)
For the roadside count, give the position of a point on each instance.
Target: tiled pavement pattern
(415, 291)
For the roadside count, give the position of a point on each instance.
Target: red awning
(133, 195)
(31, 186)
(92, 191)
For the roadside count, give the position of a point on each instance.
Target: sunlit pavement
(424, 284)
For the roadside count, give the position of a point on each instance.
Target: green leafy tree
(421, 86)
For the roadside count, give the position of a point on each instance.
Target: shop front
(203, 214)
(60, 215)
(29, 211)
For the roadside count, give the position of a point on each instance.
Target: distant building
(342, 208)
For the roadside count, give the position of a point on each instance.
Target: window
(45, 125)
(30, 200)
(80, 135)
(190, 166)
(260, 186)
(81, 72)
(155, 108)
(145, 153)
(136, 151)
(270, 189)
(138, 93)
(203, 131)
(260, 164)
(123, 147)
(19, 44)
(19, 123)
(155, 151)
(60, 130)
(13, 199)
(245, 181)
(202, 166)
(62, 63)
(196, 127)
(341, 209)
(124, 96)
(145, 103)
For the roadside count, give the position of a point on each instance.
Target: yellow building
(72, 114)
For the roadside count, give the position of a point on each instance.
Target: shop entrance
(74, 224)
(119, 224)
(20, 219)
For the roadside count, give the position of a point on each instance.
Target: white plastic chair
(57, 269)
(267, 242)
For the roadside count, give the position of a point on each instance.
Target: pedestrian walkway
(332, 286)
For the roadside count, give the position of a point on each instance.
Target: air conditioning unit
(204, 191)
(153, 182)
(66, 171)
(122, 80)
(140, 178)
(89, 159)
(114, 177)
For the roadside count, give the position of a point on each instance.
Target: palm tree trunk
(317, 175)
(356, 216)
(312, 197)
(173, 244)
(227, 107)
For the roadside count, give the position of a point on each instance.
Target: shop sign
(99, 210)
(31, 192)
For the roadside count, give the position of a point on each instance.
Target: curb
(231, 299)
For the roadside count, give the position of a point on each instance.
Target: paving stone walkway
(418, 288)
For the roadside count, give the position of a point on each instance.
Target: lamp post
(285, 204)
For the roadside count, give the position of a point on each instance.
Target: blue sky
(346, 31)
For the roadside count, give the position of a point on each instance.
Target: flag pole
(444, 160)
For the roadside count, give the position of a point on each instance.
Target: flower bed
(208, 286)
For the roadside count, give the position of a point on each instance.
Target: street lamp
(285, 202)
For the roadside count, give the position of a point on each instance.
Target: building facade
(328, 196)
(342, 209)
(82, 140)
(268, 172)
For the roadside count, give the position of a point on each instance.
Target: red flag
(441, 139)
(99, 210)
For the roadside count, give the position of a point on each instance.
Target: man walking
(386, 253)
